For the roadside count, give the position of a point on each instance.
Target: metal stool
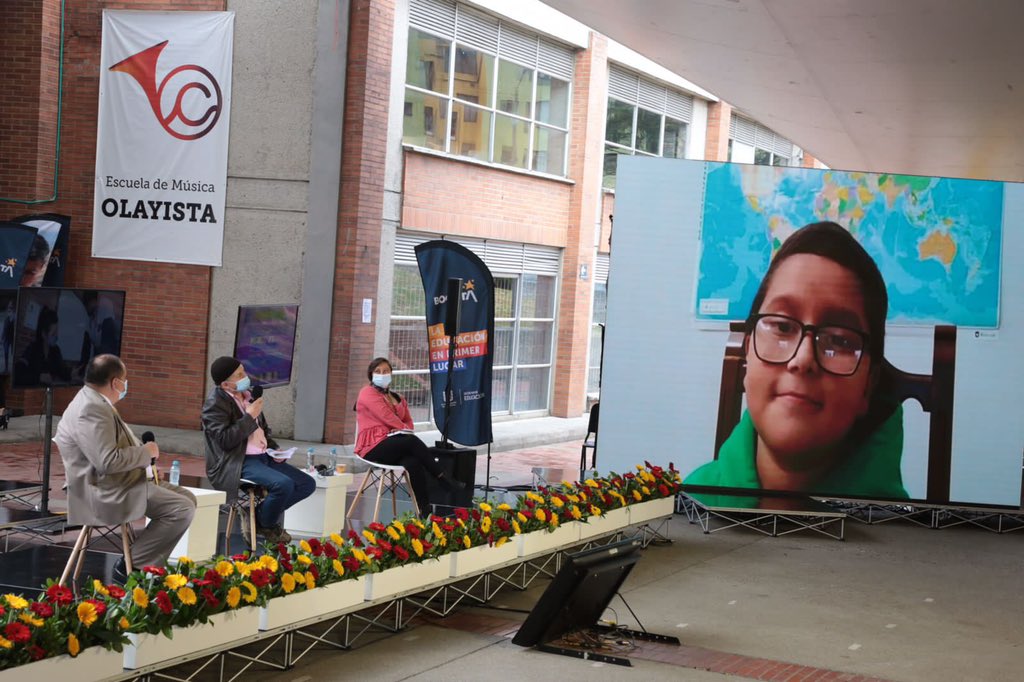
(389, 477)
(249, 495)
(77, 557)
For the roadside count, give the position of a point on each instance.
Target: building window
(643, 118)
(597, 324)
(487, 92)
(751, 142)
(523, 344)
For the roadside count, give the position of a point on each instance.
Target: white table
(200, 540)
(323, 512)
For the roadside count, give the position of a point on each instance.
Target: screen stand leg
(584, 654)
(44, 502)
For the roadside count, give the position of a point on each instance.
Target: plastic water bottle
(175, 473)
(334, 458)
(309, 460)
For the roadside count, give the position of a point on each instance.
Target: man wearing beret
(237, 439)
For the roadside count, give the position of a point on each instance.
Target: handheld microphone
(256, 392)
(148, 437)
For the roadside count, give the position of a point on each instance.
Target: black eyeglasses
(837, 349)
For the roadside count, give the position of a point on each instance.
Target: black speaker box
(459, 464)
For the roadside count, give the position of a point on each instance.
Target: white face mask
(381, 380)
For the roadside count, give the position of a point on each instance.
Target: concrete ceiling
(929, 87)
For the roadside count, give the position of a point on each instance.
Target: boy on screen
(814, 347)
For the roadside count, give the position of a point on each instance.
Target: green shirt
(871, 470)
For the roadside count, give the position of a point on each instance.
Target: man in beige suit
(106, 468)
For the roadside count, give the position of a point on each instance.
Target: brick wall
(454, 197)
(717, 146)
(167, 306)
(360, 210)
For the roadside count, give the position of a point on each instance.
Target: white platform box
(540, 541)
(200, 540)
(301, 606)
(652, 509)
(607, 523)
(188, 643)
(323, 512)
(408, 578)
(94, 663)
(482, 558)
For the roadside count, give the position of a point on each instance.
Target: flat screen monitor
(56, 331)
(580, 592)
(265, 342)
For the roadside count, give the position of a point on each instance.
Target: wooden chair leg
(380, 491)
(126, 545)
(73, 559)
(81, 554)
(393, 485)
(252, 523)
(228, 528)
(359, 493)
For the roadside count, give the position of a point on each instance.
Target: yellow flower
(250, 592)
(244, 569)
(557, 501)
(583, 496)
(310, 581)
(419, 524)
(398, 526)
(15, 602)
(7, 644)
(305, 546)
(361, 555)
(645, 489)
(184, 561)
(234, 596)
(300, 577)
(393, 534)
(73, 646)
(591, 483)
(484, 507)
(504, 507)
(225, 568)
(337, 539)
(594, 511)
(466, 541)
(268, 562)
(417, 546)
(516, 528)
(576, 513)
(554, 521)
(437, 530)
(288, 583)
(187, 596)
(462, 524)
(338, 567)
(174, 581)
(535, 497)
(99, 588)
(500, 541)
(30, 619)
(123, 623)
(86, 613)
(637, 496)
(485, 524)
(540, 515)
(304, 560)
(522, 517)
(140, 597)
(573, 498)
(370, 537)
(639, 467)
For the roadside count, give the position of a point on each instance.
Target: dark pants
(285, 486)
(408, 451)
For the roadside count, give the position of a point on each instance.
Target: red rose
(36, 652)
(17, 633)
(462, 514)
(413, 531)
(282, 550)
(377, 527)
(331, 551)
(42, 610)
(530, 503)
(115, 591)
(316, 546)
(210, 598)
(352, 535)
(202, 583)
(401, 553)
(2, 610)
(154, 570)
(504, 525)
(213, 576)
(384, 544)
(630, 477)
(663, 490)
(426, 545)
(101, 608)
(286, 564)
(315, 572)
(260, 577)
(61, 596)
(244, 556)
(374, 552)
(447, 528)
(437, 519)
(163, 601)
(352, 563)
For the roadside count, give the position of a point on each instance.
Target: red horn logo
(179, 83)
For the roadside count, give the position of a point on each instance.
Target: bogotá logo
(187, 102)
(7, 267)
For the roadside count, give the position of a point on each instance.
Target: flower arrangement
(156, 599)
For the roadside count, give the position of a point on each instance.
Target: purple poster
(264, 342)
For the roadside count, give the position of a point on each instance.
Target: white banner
(162, 136)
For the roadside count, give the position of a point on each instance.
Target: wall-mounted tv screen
(57, 331)
(265, 341)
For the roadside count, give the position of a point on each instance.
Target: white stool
(389, 477)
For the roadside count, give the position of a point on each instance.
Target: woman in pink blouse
(385, 434)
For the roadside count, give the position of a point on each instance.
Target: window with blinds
(482, 88)
(643, 118)
(526, 292)
(770, 149)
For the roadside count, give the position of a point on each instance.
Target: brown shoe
(275, 535)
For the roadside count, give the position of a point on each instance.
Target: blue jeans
(285, 486)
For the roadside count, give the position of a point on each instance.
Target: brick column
(360, 209)
(808, 161)
(717, 146)
(586, 154)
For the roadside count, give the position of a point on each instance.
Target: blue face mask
(122, 394)
(381, 380)
(243, 384)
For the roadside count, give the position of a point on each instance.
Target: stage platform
(20, 492)
(948, 515)
(772, 516)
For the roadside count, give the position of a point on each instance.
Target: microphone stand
(448, 393)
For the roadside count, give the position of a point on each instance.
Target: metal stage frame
(805, 515)
(994, 519)
(283, 647)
